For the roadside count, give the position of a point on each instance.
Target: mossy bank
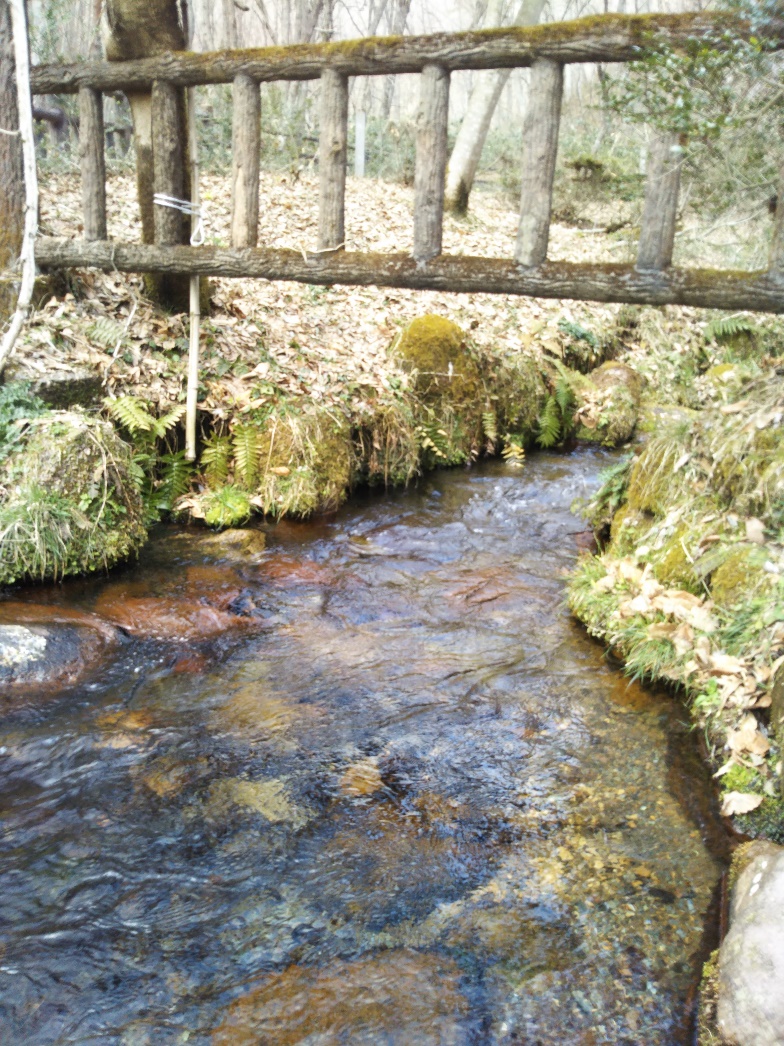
(690, 585)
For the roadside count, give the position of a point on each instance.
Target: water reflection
(389, 793)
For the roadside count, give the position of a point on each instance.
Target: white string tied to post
(192, 210)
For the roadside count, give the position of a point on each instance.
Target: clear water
(400, 799)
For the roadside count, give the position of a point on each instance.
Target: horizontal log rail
(602, 38)
(756, 291)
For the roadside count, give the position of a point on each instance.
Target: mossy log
(705, 288)
(600, 38)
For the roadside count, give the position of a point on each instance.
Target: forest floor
(317, 342)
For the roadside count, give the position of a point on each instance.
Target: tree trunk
(12, 196)
(143, 29)
(464, 161)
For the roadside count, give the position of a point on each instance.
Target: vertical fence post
(333, 146)
(246, 158)
(431, 157)
(776, 261)
(92, 162)
(359, 143)
(540, 149)
(662, 186)
(169, 176)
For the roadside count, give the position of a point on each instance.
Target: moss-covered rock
(738, 577)
(674, 564)
(70, 500)
(467, 401)
(627, 529)
(607, 403)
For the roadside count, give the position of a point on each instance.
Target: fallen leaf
(740, 803)
(755, 530)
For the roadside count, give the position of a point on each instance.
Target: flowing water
(372, 785)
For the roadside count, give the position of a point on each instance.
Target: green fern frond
(106, 332)
(175, 480)
(578, 332)
(167, 421)
(564, 397)
(549, 424)
(131, 413)
(215, 458)
(728, 327)
(490, 426)
(246, 445)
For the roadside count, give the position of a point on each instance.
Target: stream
(371, 785)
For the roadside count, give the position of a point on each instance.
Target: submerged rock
(46, 655)
(169, 620)
(750, 1006)
(399, 998)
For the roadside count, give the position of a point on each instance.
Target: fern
(578, 332)
(490, 427)
(167, 421)
(549, 424)
(564, 398)
(728, 326)
(215, 459)
(175, 479)
(106, 332)
(513, 452)
(131, 413)
(246, 445)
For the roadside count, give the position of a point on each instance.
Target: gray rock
(751, 959)
(46, 655)
(62, 389)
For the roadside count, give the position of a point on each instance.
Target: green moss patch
(70, 500)
(690, 588)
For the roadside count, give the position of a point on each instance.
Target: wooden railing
(545, 49)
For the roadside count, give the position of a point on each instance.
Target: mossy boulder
(437, 353)
(627, 529)
(70, 500)
(608, 401)
(468, 401)
(738, 577)
(674, 566)
(307, 463)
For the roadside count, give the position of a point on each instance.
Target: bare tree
(12, 197)
(467, 150)
(141, 29)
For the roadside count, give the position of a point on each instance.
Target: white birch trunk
(471, 137)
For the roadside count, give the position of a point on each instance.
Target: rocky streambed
(369, 783)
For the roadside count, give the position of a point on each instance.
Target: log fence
(545, 49)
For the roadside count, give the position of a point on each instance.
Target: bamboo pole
(25, 109)
(192, 395)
